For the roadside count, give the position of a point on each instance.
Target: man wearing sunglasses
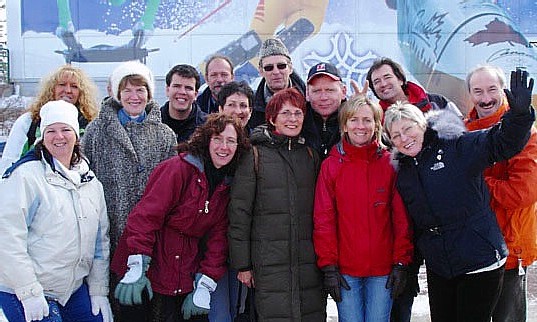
(276, 68)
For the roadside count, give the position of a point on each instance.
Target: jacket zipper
(206, 206)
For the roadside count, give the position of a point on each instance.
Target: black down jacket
(271, 227)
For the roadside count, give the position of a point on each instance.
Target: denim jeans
(77, 308)
(368, 300)
(224, 299)
(464, 298)
(512, 306)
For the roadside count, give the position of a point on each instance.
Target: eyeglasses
(269, 68)
(289, 114)
(221, 141)
(406, 132)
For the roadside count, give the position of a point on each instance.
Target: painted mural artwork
(437, 41)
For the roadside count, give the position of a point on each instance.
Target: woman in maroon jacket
(185, 200)
(362, 234)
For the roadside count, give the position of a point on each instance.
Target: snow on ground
(420, 309)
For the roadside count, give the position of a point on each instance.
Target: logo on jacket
(438, 165)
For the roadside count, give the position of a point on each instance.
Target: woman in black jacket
(271, 217)
(441, 181)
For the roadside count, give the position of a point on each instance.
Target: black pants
(161, 308)
(465, 298)
(512, 304)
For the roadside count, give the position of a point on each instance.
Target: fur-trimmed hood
(443, 124)
(447, 124)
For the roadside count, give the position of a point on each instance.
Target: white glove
(202, 293)
(136, 269)
(35, 308)
(101, 304)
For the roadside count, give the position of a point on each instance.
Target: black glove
(333, 281)
(519, 97)
(397, 280)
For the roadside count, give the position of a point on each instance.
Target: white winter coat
(53, 232)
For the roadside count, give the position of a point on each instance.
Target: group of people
(231, 202)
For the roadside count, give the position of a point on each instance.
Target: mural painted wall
(437, 41)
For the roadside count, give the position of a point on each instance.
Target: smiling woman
(126, 142)
(184, 203)
(48, 272)
(67, 83)
(440, 178)
(271, 216)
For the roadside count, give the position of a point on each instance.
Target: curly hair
(87, 100)
(198, 144)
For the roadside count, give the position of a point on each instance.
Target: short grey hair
(403, 110)
(494, 70)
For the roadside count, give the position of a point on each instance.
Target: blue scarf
(124, 118)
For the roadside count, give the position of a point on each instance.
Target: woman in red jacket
(185, 201)
(362, 234)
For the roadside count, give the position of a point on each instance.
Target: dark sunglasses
(269, 68)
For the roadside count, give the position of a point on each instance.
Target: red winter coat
(168, 223)
(360, 222)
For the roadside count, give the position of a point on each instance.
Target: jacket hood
(447, 124)
(443, 124)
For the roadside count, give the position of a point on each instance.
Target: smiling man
(181, 112)
(512, 185)
(388, 82)
(218, 72)
(276, 68)
(325, 94)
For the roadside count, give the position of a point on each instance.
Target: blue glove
(198, 302)
(130, 288)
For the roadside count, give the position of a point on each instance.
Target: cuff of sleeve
(98, 290)
(33, 289)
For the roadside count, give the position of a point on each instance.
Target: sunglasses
(269, 68)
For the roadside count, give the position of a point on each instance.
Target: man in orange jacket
(513, 190)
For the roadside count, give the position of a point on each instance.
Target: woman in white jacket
(54, 229)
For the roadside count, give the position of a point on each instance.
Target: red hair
(288, 95)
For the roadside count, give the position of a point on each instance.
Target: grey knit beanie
(273, 47)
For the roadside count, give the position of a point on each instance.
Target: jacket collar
(416, 96)
(473, 122)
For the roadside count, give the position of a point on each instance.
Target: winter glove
(397, 280)
(519, 97)
(198, 302)
(333, 281)
(35, 308)
(130, 288)
(101, 304)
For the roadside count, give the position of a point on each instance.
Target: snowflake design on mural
(351, 65)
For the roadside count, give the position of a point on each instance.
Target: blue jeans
(77, 308)
(368, 300)
(224, 298)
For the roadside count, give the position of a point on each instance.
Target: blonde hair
(352, 105)
(87, 100)
(403, 110)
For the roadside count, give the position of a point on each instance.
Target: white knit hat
(58, 112)
(131, 68)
